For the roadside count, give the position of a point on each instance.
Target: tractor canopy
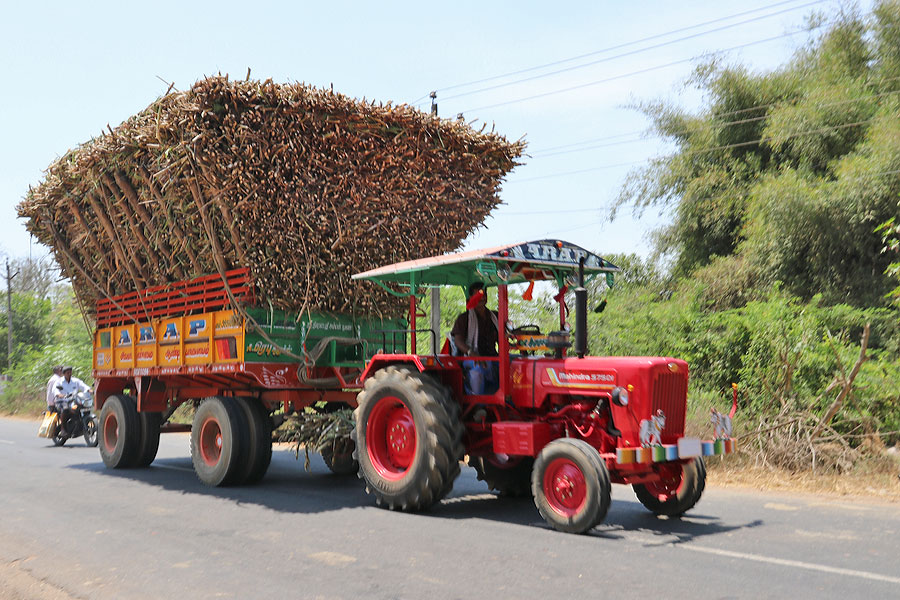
(543, 260)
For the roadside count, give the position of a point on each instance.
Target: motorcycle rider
(65, 386)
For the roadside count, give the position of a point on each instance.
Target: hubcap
(210, 442)
(391, 438)
(565, 487)
(670, 483)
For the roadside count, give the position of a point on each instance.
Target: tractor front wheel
(406, 441)
(571, 485)
(677, 491)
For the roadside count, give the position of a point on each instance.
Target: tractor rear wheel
(406, 441)
(571, 485)
(677, 491)
(509, 475)
(218, 440)
(120, 432)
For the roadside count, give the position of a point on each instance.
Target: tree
(785, 175)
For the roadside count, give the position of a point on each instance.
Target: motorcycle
(76, 418)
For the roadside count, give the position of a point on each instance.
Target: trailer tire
(339, 456)
(149, 444)
(120, 432)
(218, 440)
(511, 478)
(259, 438)
(571, 485)
(677, 492)
(406, 442)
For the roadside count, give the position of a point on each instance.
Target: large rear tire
(149, 445)
(406, 442)
(678, 490)
(571, 485)
(218, 440)
(259, 443)
(509, 475)
(120, 433)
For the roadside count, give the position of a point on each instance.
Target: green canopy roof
(542, 260)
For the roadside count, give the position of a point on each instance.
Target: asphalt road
(70, 528)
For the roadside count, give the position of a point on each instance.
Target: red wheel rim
(110, 432)
(391, 438)
(565, 487)
(670, 483)
(210, 441)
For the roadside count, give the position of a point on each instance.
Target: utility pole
(9, 328)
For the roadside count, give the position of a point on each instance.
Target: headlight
(620, 396)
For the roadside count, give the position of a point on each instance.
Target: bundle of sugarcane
(313, 430)
(304, 186)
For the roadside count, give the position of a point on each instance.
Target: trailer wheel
(406, 441)
(218, 440)
(571, 485)
(259, 431)
(338, 456)
(677, 491)
(149, 444)
(120, 432)
(509, 475)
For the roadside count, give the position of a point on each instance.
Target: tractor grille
(670, 396)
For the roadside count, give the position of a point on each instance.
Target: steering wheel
(526, 330)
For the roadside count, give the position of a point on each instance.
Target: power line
(581, 210)
(706, 150)
(546, 153)
(632, 73)
(629, 53)
(616, 47)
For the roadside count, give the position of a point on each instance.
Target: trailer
(557, 424)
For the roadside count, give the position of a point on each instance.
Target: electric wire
(624, 54)
(618, 46)
(546, 153)
(633, 73)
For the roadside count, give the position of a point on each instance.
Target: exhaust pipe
(580, 313)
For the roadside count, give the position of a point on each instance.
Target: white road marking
(6, 442)
(793, 563)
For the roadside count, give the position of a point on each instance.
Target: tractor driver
(475, 333)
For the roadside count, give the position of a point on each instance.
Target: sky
(73, 68)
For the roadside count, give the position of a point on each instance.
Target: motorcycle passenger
(65, 386)
(51, 387)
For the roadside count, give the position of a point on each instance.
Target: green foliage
(786, 174)
(50, 332)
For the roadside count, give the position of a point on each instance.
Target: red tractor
(558, 424)
(561, 424)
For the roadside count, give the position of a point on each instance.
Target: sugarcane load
(302, 186)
